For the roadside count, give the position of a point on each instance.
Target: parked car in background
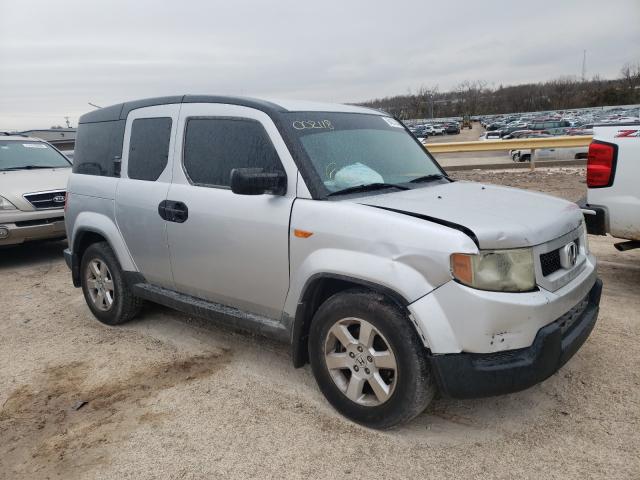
(437, 129)
(579, 131)
(452, 128)
(33, 181)
(513, 127)
(493, 135)
(526, 134)
(612, 205)
(555, 127)
(333, 229)
(421, 132)
(568, 153)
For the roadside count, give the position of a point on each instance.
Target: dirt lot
(169, 396)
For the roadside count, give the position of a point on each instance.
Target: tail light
(601, 164)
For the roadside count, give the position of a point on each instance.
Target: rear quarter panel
(622, 199)
(91, 207)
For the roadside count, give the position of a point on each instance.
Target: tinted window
(98, 145)
(149, 148)
(215, 146)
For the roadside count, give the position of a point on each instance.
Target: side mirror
(255, 181)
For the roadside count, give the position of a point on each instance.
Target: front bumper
(38, 228)
(455, 318)
(470, 375)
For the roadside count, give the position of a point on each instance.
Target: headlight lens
(6, 204)
(496, 270)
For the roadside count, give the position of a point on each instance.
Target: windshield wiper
(27, 167)
(428, 178)
(366, 187)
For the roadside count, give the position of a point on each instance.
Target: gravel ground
(170, 396)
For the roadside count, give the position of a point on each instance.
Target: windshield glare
(350, 149)
(16, 154)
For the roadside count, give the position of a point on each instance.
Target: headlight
(6, 204)
(496, 270)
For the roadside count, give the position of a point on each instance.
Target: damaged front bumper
(470, 375)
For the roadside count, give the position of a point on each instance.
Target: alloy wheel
(100, 284)
(360, 361)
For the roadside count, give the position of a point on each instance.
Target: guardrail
(517, 144)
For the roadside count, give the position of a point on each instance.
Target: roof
(22, 138)
(52, 134)
(121, 110)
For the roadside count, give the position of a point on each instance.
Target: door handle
(173, 211)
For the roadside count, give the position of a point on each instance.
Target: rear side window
(98, 147)
(149, 148)
(215, 146)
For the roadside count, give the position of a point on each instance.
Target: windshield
(350, 149)
(18, 155)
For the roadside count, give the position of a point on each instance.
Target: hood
(499, 217)
(14, 184)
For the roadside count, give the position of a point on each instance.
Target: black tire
(414, 385)
(125, 305)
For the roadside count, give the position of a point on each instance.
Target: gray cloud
(57, 56)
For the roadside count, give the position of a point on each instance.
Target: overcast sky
(55, 56)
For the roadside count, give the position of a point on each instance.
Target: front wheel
(368, 360)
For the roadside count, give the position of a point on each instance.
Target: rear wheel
(368, 361)
(104, 288)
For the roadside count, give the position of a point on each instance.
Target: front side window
(149, 148)
(215, 146)
(348, 150)
(25, 155)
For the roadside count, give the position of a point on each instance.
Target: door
(231, 249)
(146, 170)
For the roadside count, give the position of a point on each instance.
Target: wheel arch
(92, 229)
(318, 288)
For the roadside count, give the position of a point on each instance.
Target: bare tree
(476, 98)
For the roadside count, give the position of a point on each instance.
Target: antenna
(584, 65)
(94, 105)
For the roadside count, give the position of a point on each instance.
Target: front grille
(43, 200)
(550, 262)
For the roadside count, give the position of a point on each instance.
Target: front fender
(386, 272)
